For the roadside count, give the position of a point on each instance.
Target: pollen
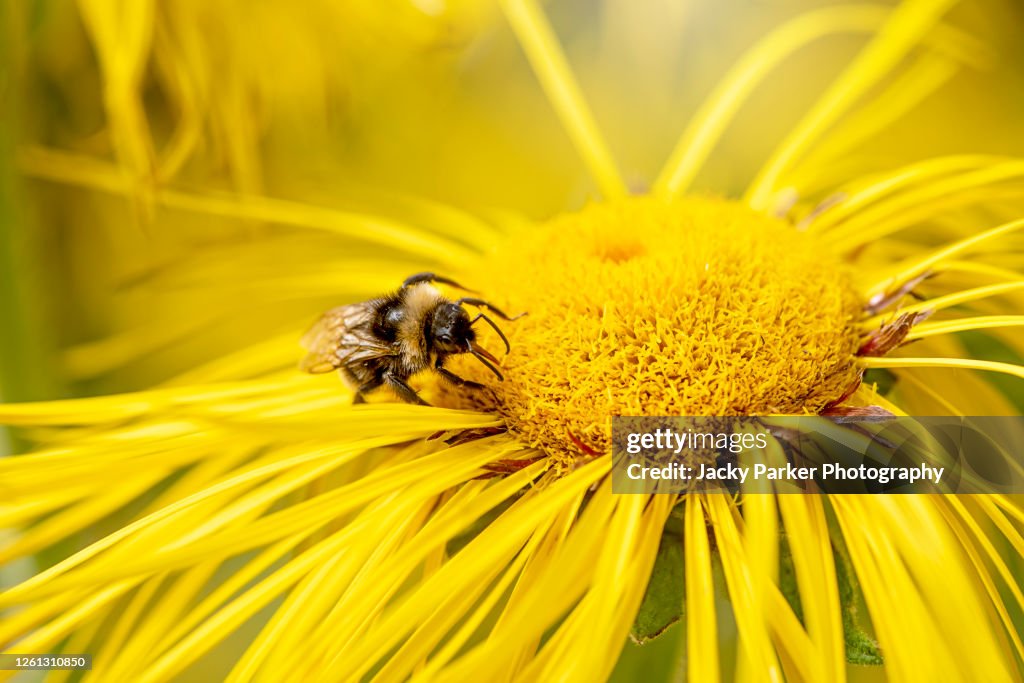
(642, 306)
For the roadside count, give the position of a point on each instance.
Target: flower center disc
(646, 307)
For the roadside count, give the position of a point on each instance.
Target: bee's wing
(341, 336)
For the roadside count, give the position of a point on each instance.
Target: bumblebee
(387, 340)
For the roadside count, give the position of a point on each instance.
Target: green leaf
(662, 605)
(860, 647)
(787, 578)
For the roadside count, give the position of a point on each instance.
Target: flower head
(644, 306)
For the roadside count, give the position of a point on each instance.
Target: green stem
(27, 350)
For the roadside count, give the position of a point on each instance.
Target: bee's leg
(404, 391)
(431, 277)
(456, 380)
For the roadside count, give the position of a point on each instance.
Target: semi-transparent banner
(815, 454)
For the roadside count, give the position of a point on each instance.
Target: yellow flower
(234, 519)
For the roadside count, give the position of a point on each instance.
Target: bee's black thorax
(387, 318)
(428, 331)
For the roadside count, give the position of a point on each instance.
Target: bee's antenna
(483, 304)
(486, 357)
(432, 277)
(496, 329)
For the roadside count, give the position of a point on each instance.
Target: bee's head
(450, 329)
